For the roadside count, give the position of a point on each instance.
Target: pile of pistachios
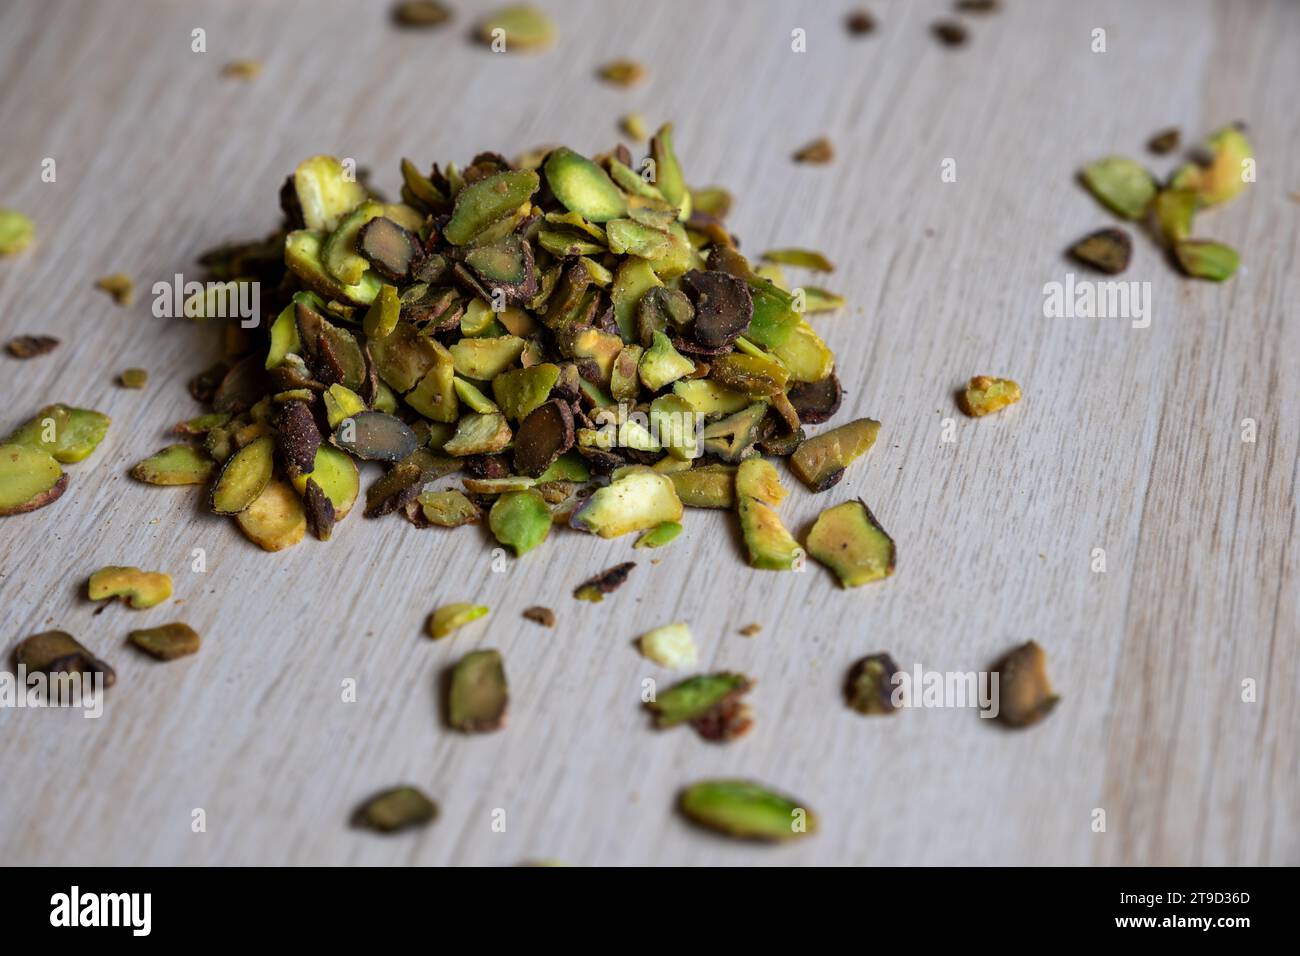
(557, 340)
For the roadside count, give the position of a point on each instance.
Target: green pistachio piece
(340, 403)
(325, 192)
(634, 278)
(479, 434)
(624, 378)
(404, 357)
(804, 355)
(670, 646)
(1121, 184)
(284, 337)
(521, 520)
(506, 264)
(422, 188)
(1224, 177)
(1172, 211)
(302, 254)
(1206, 259)
(276, 518)
(401, 807)
(472, 397)
(65, 433)
(335, 473)
(483, 203)
(819, 462)
(803, 258)
(1106, 249)
(662, 364)
(709, 486)
(583, 187)
(519, 391)
(674, 423)
(383, 314)
(747, 810)
(29, 479)
(138, 589)
(484, 359)
(478, 696)
(758, 492)
(696, 697)
(659, 535)
(435, 396)
(16, 232)
(633, 238)
(634, 502)
(774, 319)
(668, 174)
(850, 541)
(449, 617)
(521, 26)
(448, 509)
(339, 252)
(754, 376)
(202, 424)
(712, 201)
(707, 397)
(167, 642)
(817, 299)
(243, 476)
(175, 465)
(570, 466)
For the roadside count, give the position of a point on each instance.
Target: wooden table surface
(1128, 439)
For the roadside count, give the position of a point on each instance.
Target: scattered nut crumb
(30, 346)
(241, 69)
(749, 630)
(119, 286)
(541, 615)
(818, 152)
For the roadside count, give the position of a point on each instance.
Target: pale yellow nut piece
(670, 646)
(139, 589)
(985, 395)
(449, 617)
(276, 519)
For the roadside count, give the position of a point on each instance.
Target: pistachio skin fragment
(521, 520)
(746, 810)
(243, 477)
(58, 652)
(985, 395)
(819, 462)
(138, 589)
(276, 519)
(758, 492)
(848, 540)
(1121, 184)
(16, 232)
(179, 464)
(607, 582)
(1107, 250)
(670, 646)
(30, 346)
(449, 617)
(167, 642)
(398, 809)
(869, 687)
(478, 696)
(1025, 695)
(29, 479)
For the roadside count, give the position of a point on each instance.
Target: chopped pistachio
(138, 589)
(633, 502)
(175, 465)
(16, 232)
(166, 642)
(375, 436)
(119, 286)
(869, 688)
(484, 203)
(758, 492)
(804, 258)
(849, 540)
(478, 695)
(709, 486)
(818, 152)
(29, 479)
(275, 519)
(30, 346)
(1172, 211)
(449, 617)
(670, 646)
(819, 462)
(1121, 184)
(134, 378)
(58, 652)
(659, 535)
(241, 69)
(710, 703)
(817, 299)
(66, 433)
(479, 434)
(1206, 259)
(751, 630)
(421, 14)
(607, 582)
(1106, 249)
(244, 476)
(522, 26)
(1224, 177)
(623, 72)
(336, 474)
(448, 509)
(633, 125)
(521, 520)
(668, 171)
(1165, 141)
(540, 615)
(985, 395)
(1025, 694)
(661, 364)
(746, 810)
(402, 807)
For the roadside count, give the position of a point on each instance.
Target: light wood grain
(1127, 439)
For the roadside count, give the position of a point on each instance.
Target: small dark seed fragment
(1025, 693)
(167, 642)
(241, 387)
(978, 6)
(1106, 249)
(319, 510)
(375, 436)
(421, 14)
(541, 615)
(607, 582)
(544, 435)
(30, 346)
(723, 307)
(58, 652)
(870, 687)
(816, 402)
(818, 152)
(860, 22)
(388, 246)
(1166, 141)
(949, 33)
(396, 809)
(297, 437)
